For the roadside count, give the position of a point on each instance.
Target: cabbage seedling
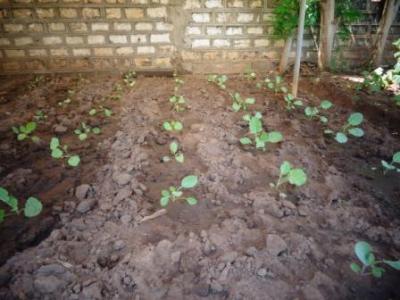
(369, 264)
(390, 166)
(294, 176)
(106, 111)
(178, 103)
(276, 84)
(351, 127)
(313, 112)
(239, 103)
(176, 193)
(249, 74)
(174, 149)
(292, 102)
(60, 152)
(130, 78)
(219, 80)
(24, 132)
(258, 136)
(84, 130)
(173, 126)
(32, 207)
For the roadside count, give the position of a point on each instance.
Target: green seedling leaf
(21, 136)
(387, 166)
(191, 200)
(56, 153)
(74, 160)
(167, 126)
(96, 130)
(165, 193)
(15, 129)
(363, 251)
(33, 207)
(235, 106)
(355, 119)
(173, 147)
(2, 215)
(275, 137)
(164, 201)
(357, 132)
(189, 181)
(177, 194)
(297, 177)
(92, 112)
(396, 157)
(178, 126)
(245, 141)
(310, 111)
(54, 143)
(395, 264)
(285, 168)
(356, 268)
(82, 136)
(166, 159)
(255, 125)
(377, 272)
(107, 112)
(180, 158)
(326, 104)
(250, 100)
(298, 103)
(323, 119)
(341, 138)
(3, 194)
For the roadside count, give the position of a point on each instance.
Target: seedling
(390, 166)
(35, 82)
(313, 112)
(258, 136)
(101, 109)
(178, 103)
(276, 84)
(175, 153)
(350, 127)
(292, 102)
(369, 264)
(294, 176)
(68, 100)
(239, 103)
(24, 132)
(249, 74)
(32, 207)
(175, 193)
(84, 130)
(219, 80)
(174, 126)
(40, 116)
(130, 78)
(60, 152)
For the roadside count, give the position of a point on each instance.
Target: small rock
(275, 244)
(122, 178)
(86, 205)
(48, 284)
(60, 128)
(52, 269)
(118, 245)
(262, 272)
(82, 191)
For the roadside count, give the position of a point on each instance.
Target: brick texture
(196, 35)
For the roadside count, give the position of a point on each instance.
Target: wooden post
(283, 64)
(327, 33)
(299, 46)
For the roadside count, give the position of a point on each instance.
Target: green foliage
(40, 116)
(175, 152)
(129, 78)
(173, 126)
(369, 264)
(61, 152)
(178, 103)
(239, 103)
(258, 136)
(313, 112)
(84, 130)
(390, 166)
(219, 80)
(32, 207)
(350, 128)
(292, 102)
(249, 74)
(101, 109)
(294, 176)
(276, 84)
(176, 193)
(26, 131)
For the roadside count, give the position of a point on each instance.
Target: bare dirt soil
(243, 240)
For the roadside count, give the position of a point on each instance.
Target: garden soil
(103, 234)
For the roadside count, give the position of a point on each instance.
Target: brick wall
(194, 35)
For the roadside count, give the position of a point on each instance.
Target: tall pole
(300, 32)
